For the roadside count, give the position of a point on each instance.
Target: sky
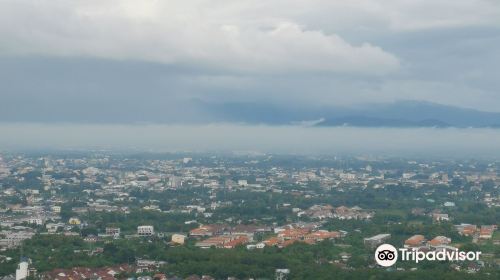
(58, 55)
(147, 61)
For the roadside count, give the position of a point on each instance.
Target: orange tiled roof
(322, 235)
(294, 233)
(486, 231)
(415, 240)
(235, 242)
(272, 241)
(439, 240)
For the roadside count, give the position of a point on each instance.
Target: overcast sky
(147, 61)
(58, 57)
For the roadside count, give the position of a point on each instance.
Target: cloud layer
(134, 61)
(199, 35)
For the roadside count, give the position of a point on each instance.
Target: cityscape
(101, 215)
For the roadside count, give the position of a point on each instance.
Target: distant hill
(397, 114)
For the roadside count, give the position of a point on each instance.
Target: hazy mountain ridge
(397, 114)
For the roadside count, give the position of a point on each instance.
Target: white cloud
(264, 36)
(280, 51)
(219, 36)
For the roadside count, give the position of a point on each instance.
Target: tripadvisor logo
(387, 255)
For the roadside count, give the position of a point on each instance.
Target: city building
(415, 241)
(113, 231)
(74, 221)
(376, 240)
(178, 238)
(145, 230)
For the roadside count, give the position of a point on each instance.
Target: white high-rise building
(22, 270)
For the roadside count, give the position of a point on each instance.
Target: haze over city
(425, 142)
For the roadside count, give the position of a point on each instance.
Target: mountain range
(396, 114)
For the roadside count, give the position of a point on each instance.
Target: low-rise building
(415, 241)
(376, 240)
(438, 217)
(439, 241)
(145, 230)
(74, 221)
(113, 231)
(223, 241)
(14, 239)
(178, 238)
(466, 229)
(486, 232)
